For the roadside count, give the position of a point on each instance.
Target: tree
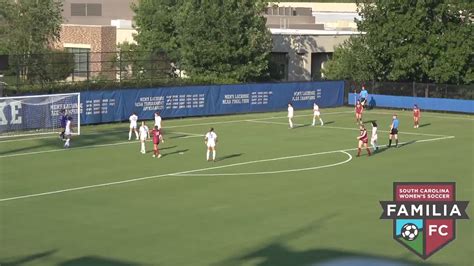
(210, 39)
(405, 40)
(28, 30)
(29, 26)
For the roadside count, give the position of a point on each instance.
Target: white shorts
(134, 126)
(158, 125)
(290, 116)
(374, 138)
(211, 145)
(143, 137)
(317, 113)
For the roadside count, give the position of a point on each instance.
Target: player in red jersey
(416, 116)
(359, 109)
(363, 140)
(157, 138)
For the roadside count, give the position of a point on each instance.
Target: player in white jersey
(290, 114)
(133, 126)
(158, 120)
(211, 141)
(144, 135)
(68, 131)
(373, 139)
(316, 114)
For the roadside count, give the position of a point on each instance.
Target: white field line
(440, 116)
(190, 135)
(244, 120)
(344, 128)
(349, 158)
(176, 126)
(190, 171)
(87, 147)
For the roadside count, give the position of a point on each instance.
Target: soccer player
(144, 135)
(133, 126)
(373, 139)
(316, 114)
(359, 109)
(364, 95)
(363, 140)
(393, 131)
(158, 120)
(291, 112)
(157, 138)
(416, 116)
(62, 122)
(68, 131)
(211, 140)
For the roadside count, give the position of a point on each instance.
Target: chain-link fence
(75, 66)
(414, 89)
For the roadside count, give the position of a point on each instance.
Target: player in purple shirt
(62, 122)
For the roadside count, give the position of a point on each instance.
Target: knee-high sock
(396, 142)
(207, 155)
(368, 151)
(358, 151)
(67, 142)
(129, 135)
(389, 142)
(143, 147)
(321, 120)
(314, 121)
(291, 122)
(136, 134)
(214, 155)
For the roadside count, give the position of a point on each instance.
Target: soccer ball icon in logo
(409, 232)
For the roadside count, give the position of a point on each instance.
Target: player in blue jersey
(394, 131)
(62, 123)
(364, 95)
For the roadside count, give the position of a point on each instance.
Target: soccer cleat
(159, 155)
(153, 156)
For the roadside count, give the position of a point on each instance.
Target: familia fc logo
(424, 215)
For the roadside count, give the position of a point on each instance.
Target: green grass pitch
(276, 196)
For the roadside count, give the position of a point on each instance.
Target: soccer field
(275, 196)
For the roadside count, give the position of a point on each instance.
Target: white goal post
(39, 114)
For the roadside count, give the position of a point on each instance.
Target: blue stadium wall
(434, 104)
(117, 105)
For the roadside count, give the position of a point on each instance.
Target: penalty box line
(178, 174)
(188, 135)
(263, 121)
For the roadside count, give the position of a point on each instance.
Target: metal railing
(43, 70)
(414, 89)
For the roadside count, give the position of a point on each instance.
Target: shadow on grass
(406, 143)
(277, 253)
(230, 156)
(27, 259)
(96, 261)
(175, 152)
(369, 121)
(425, 125)
(329, 122)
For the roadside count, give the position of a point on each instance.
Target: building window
(78, 10)
(317, 64)
(279, 66)
(83, 10)
(94, 10)
(81, 61)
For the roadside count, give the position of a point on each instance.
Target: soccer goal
(38, 114)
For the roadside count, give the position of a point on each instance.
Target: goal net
(38, 114)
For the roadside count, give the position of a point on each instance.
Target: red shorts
(156, 142)
(366, 140)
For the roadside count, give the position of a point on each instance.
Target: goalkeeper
(62, 122)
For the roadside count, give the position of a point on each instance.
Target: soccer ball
(409, 232)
